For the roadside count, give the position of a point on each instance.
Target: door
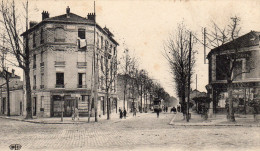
(34, 106)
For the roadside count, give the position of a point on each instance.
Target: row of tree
(138, 85)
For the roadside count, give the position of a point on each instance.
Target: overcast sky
(143, 26)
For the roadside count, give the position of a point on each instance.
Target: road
(144, 132)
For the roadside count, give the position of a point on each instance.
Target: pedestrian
(76, 113)
(121, 113)
(124, 114)
(73, 114)
(134, 112)
(166, 108)
(158, 112)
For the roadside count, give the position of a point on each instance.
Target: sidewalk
(114, 117)
(216, 120)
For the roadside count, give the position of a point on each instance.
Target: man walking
(158, 112)
(124, 113)
(134, 111)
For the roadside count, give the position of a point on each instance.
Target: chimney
(68, 12)
(32, 23)
(91, 16)
(13, 75)
(45, 15)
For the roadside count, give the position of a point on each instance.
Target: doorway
(34, 106)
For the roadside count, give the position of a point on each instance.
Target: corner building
(61, 64)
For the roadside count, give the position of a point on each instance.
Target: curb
(238, 125)
(38, 122)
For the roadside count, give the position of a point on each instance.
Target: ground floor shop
(61, 102)
(243, 94)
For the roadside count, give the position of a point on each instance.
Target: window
(42, 101)
(102, 42)
(222, 67)
(42, 40)
(237, 70)
(34, 61)
(82, 33)
(60, 80)
(34, 43)
(102, 63)
(59, 35)
(82, 39)
(81, 80)
(42, 80)
(34, 82)
(41, 56)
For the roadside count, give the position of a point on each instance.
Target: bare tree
(176, 51)
(220, 39)
(109, 71)
(18, 47)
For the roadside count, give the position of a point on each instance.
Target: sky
(144, 26)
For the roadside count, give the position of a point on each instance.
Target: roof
(247, 40)
(72, 19)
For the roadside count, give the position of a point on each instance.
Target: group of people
(165, 108)
(122, 113)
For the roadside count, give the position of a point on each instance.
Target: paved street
(139, 133)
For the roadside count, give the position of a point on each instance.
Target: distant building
(61, 63)
(247, 84)
(16, 94)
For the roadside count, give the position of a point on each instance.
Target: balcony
(81, 64)
(82, 86)
(59, 86)
(59, 63)
(42, 86)
(42, 64)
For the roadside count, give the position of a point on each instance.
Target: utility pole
(189, 75)
(95, 67)
(204, 41)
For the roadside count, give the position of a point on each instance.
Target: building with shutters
(62, 60)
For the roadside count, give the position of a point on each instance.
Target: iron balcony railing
(59, 85)
(82, 86)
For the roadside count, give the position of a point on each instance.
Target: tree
(19, 48)
(110, 74)
(128, 69)
(218, 39)
(176, 51)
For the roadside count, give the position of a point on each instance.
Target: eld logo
(15, 146)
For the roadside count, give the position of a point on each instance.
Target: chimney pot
(45, 15)
(68, 11)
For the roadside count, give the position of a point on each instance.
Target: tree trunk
(8, 93)
(28, 93)
(108, 104)
(230, 98)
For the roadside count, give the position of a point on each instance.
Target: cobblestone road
(142, 132)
